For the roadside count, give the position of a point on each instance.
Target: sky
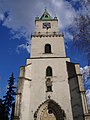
(17, 23)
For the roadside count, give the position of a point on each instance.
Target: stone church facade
(50, 86)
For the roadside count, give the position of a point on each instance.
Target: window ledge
(49, 91)
(48, 53)
(48, 77)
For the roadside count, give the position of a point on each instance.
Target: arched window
(49, 71)
(47, 48)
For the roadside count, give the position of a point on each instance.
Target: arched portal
(49, 110)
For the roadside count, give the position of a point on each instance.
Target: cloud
(85, 8)
(68, 36)
(23, 47)
(88, 97)
(85, 71)
(23, 12)
(65, 13)
(1, 17)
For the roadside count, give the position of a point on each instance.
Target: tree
(9, 98)
(12, 114)
(81, 27)
(81, 37)
(1, 109)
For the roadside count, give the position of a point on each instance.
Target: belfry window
(49, 71)
(47, 48)
(49, 85)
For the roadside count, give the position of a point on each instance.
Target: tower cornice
(47, 34)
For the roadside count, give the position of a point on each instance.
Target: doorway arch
(49, 110)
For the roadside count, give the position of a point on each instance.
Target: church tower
(43, 87)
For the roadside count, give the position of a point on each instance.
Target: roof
(46, 16)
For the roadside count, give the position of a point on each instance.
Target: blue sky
(16, 25)
(10, 59)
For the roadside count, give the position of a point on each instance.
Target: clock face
(46, 25)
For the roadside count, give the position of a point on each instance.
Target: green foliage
(9, 98)
(1, 109)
